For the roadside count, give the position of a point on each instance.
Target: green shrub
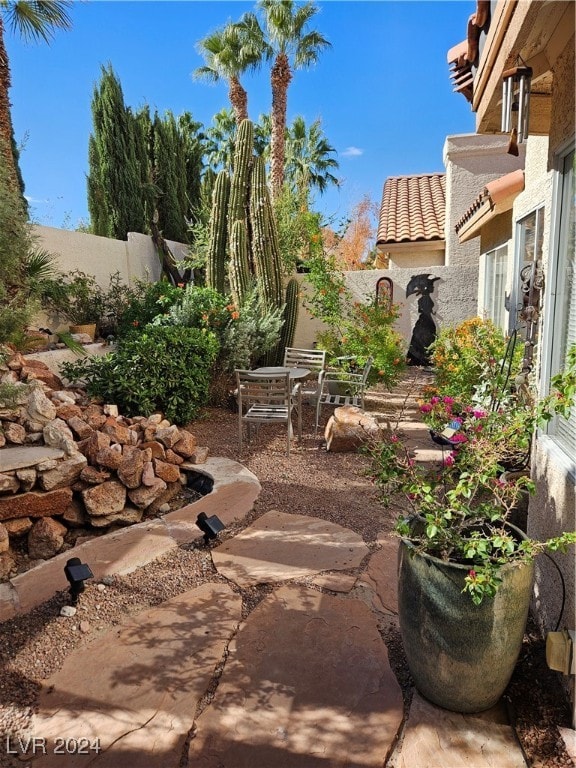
(165, 369)
(244, 334)
(144, 303)
(470, 353)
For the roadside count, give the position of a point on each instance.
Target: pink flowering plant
(459, 510)
(459, 515)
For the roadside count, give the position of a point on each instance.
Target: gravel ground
(334, 487)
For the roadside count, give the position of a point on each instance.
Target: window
(529, 242)
(563, 294)
(495, 286)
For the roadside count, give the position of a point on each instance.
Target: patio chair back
(341, 388)
(267, 399)
(315, 361)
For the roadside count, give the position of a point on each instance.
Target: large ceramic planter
(461, 655)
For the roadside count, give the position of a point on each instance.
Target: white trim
(558, 456)
(551, 311)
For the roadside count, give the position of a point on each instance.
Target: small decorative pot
(461, 655)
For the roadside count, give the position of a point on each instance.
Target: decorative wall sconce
(516, 104)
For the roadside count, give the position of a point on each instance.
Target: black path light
(77, 573)
(210, 526)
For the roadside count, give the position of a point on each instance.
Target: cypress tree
(115, 200)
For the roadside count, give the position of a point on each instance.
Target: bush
(144, 303)
(244, 334)
(165, 369)
(470, 353)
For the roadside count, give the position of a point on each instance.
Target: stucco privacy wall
(455, 298)
(134, 258)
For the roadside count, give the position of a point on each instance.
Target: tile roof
(413, 208)
(497, 197)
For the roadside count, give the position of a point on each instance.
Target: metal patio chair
(312, 359)
(340, 388)
(267, 399)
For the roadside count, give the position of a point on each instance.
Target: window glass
(495, 286)
(564, 322)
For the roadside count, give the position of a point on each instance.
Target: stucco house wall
(471, 161)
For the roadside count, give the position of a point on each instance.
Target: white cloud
(35, 199)
(352, 152)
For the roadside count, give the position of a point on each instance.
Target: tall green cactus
(266, 272)
(290, 315)
(216, 262)
(242, 220)
(243, 151)
(239, 275)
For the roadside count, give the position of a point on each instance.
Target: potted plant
(465, 572)
(81, 301)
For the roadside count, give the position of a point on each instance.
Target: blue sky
(382, 90)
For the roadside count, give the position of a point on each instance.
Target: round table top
(295, 373)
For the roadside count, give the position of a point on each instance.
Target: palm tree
(219, 145)
(229, 52)
(33, 20)
(308, 161)
(292, 47)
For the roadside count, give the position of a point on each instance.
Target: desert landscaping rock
(99, 690)
(307, 684)
(64, 474)
(46, 538)
(35, 504)
(436, 737)
(105, 499)
(348, 428)
(27, 456)
(279, 546)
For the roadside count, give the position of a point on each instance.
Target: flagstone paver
(307, 684)
(279, 546)
(380, 578)
(436, 738)
(134, 690)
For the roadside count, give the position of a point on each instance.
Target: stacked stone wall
(71, 467)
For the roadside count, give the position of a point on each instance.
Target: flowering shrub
(471, 352)
(460, 510)
(459, 515)
(356, 330)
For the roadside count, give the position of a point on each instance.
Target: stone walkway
(303, 682)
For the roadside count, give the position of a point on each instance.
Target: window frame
(519, 262)
(552, 313)
(488, 302)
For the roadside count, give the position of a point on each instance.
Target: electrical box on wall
(560, 651)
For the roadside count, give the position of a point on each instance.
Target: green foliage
(460, 514)
(354, 330)
(76, 296)
(244, 334)
(162, 368)
(16, 302)
(253, 331)
(299, 230)
(198, 307)
(145, 302)
(468, 353)
(115, 201)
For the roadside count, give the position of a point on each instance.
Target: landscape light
(77, 572)
(210, 526)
